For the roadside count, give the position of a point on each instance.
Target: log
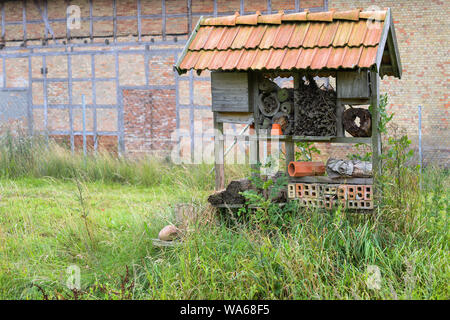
(283, 95)
(338, 168)
(216, 198)
(231, 195)
(286, 107)
(268, 86)
(316, 110)
(364, 129)
(268, 104)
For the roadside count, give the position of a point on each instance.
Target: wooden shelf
(323, 179)
(284, 138)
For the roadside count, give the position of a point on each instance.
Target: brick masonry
(119, 62)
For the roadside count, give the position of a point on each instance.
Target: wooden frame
(364, 92)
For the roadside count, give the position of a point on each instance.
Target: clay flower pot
(276, 130)
(306, 168)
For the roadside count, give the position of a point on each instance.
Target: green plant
(305, 151)
(385, 117)
(395, 157)
(362, 154)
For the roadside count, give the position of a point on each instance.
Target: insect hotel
(246, 53)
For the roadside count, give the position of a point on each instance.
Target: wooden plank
(290, 153)
(340, 132)
(219, 157)
(382, 43)
(235, 117)
(230, 92)
(254, 141)
(393, 50)
(186, 46)
(376, 137)
(352, 84)
(252, 136)
(324, 179)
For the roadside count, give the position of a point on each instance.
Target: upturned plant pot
(306, 168)
(276, 130)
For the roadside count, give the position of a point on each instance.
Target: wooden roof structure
(321, 42)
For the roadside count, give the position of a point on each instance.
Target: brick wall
(127, 47)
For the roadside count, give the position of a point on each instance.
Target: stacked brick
(328, 196)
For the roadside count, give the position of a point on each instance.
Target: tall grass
(23, 156)
(314, 254)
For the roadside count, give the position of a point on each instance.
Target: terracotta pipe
(306, 168)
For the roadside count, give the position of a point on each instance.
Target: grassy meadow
(101, 213)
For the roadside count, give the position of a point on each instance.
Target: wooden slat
(229, 91)
(351, 84)
(219, 157)
(323, 179)
(235, 117)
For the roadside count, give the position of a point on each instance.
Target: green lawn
(315, 255)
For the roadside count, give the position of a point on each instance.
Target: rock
(168, 233)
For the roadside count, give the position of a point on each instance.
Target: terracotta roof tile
(228, 38)
(247, 59)
(255, 37)
(269, 37)
(375, 15)
(298, 36)
(290, 59)
(242, 37)
(204, 59)
(232, 59)
(335, 60)
(260, 60)
(251, 19)
(320, 16)
(276, 59)
(298, 16)
(328, 34)
(343, 33)
(270, 18)
(200, 38)
(347, 15)
(373, 35)
(351, 57)
(284, 35)
(368, 56)
(214, 38)
(323, 40)
(358, 34)
(321, 58)
(313, 35)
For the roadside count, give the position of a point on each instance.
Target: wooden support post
(290, 153)
(340, 132)
(376, 137)
(219, 160)
(254, 134)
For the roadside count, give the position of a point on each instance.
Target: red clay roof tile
(298, 36)
(322, 40)
(255, 37)
(347, 15)
(284, 35)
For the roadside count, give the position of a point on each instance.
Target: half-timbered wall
(121, 59)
